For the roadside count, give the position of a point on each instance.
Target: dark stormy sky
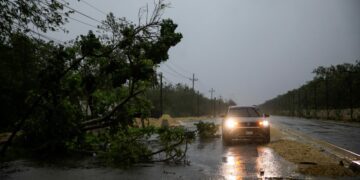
(247, 50)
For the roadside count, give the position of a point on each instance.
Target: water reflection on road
(253, 161)
(209, 159)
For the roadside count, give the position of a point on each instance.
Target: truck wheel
(267, 138)
(226, 140)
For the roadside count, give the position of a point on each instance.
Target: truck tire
(267, 138)
(226, 140)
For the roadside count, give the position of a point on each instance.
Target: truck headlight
(264, 123)
(230, 123)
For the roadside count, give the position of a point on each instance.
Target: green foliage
(126, 148)
(18, 15)
(136, 145)
(170, 139)
(206, 129)
(51, 90)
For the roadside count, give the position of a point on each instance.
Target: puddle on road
(209, 159)
(252, 161)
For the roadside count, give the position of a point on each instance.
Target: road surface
(344, 135)
(209, 159)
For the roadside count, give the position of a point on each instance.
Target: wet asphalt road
(209, 159)
(344, 135)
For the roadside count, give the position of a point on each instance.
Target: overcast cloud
(250, 50)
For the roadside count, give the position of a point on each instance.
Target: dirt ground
(309, 160)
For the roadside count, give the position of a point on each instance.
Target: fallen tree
(94, 82)
(137, 145)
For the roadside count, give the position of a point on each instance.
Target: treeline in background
(179, 100)
(333, 93)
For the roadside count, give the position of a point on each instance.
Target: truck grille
(248, 124)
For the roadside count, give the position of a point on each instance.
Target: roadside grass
(310, 160)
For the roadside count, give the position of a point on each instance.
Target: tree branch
(106, 117)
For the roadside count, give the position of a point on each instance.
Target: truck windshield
(243, 112)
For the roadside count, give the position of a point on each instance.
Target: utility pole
(214, 106)
(220, 107)
(198, 103)
(306, 103)
(327, 94)
(315, 103)
(193, 79)
(212, 91)
(299, 104)
(161, 94)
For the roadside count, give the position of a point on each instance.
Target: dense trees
(181, 100)
(53, 93)
(332, 94)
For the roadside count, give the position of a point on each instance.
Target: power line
(41, 35)
(83, 14)
(172, 69)
(173, 74)
(46, 37)
(92, 6)
(82, 22)
(179, 67)
(168, 80)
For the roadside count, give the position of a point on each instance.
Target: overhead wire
(65, 4)
(173, 70)
(170, 73)
(94, 7)
(77, 20)
(168, 80)
(82, 22)
(40, 35)
(179, 67)
(46, 37)
(176, 73)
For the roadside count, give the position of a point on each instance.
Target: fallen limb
(108, 116)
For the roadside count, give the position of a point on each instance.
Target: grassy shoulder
(310, 160)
